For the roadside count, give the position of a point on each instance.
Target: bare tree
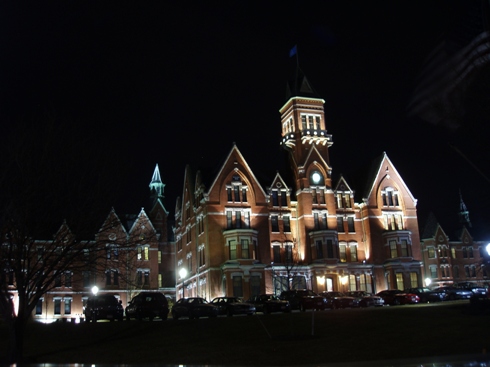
(286, 275)
(58, 184)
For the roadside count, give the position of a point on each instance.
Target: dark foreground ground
(310, 338)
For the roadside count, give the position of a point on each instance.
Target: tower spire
(464, 214)
(156, 185)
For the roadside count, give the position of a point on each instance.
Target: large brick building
(452, 257)
(127, 255)
(238, 236)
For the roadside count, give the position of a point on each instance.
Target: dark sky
(176, 84)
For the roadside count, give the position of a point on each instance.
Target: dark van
(103, 307)
(147, 305)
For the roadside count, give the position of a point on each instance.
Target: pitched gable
(235, 169)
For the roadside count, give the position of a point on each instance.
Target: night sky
(176, 84)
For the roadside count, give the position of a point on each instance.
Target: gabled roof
(278, 182)
(342, 185)
(112, 213)
(142, 216)
(430, 227)
(380, 164)
(234, 150)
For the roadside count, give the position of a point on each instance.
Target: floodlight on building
(427, 281)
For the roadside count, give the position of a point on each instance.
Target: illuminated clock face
(316, 177)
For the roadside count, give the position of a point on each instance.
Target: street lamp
(95, 290)
(183, 274)
(95, 311)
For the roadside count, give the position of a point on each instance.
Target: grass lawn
(309, 338)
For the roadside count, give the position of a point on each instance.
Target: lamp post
(183, 274)
(95, 290)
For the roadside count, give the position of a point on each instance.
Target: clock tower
(305, 137)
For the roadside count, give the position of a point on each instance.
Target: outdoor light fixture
(427, 281)
(95, 290)
(183, 274)
(320, 279)
(487, 247)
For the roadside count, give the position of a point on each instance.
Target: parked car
(365, 299)
(339, 300)
(147, 305)
(233, 306)
(398, 297)
(268, 303)
(453, 293)
(478, 291)
(103, 307)
(304, 299)
(193, 308)
(427, 295)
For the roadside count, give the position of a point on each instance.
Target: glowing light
(183, 273)
(95, 290)
(427, 281)
(343, 279)
(320, 279)
(487, 247)
(316, 177)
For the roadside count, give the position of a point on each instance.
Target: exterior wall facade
(248, 239)
(449, 262)
(124, 258)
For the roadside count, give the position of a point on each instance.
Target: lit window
(353, 252)
(233, 249)
(352, 282)
(399, 281)
(393, 249)
(431, 252)
(342, 253)
(245, 249)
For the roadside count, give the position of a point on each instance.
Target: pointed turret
(464, 214)
(156, 186)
